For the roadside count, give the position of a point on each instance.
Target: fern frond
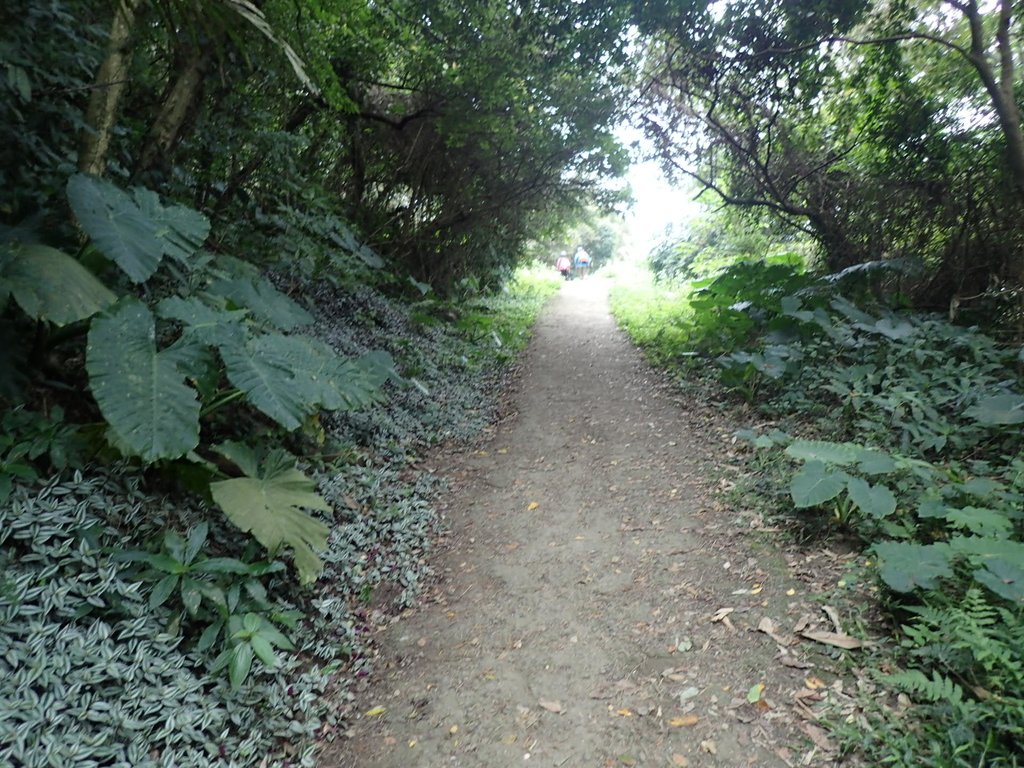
(934, 689)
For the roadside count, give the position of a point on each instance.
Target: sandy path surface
(574, 623)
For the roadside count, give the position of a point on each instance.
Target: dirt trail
(573, 625)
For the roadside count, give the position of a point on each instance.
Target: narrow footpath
(598, 605)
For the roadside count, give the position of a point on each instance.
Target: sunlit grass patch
(655, 315)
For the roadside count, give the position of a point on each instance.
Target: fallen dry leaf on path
(375, 712)
(803, 623)
(680, 760)
(684, 720)
(769, 627)
(833, 616)
(818, 736)
(720, 614)
(834, 638)
(551, 706)
(794, 662)
(532, 506)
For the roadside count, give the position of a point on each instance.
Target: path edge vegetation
(256, 260)
(897, 430)
(139, 628)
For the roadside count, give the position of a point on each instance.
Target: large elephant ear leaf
(181, 230)
(264, 301)
(270, 504)
(814, 485)
(998, 410)
(50, 285)
(140, 390)
(905, 566)
(289, 377)
(117, 226)
(263, 368)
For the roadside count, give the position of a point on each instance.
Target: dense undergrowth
(904, 430)
(140, 629)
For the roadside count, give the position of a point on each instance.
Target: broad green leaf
(813, 485)
(162, 590)
(980, 521)
(220, 565)
(203, 322)
(980, 549)
(241, 663)
(264, 370)
(1004, 577)
(264, 301)
(289, 377)
(904, 566)
(840, 454)
(982, 487)
(191, 596)
(140, 391)
(181, 230)
(50, 285)
(930, 509)
(197, 362)
(269, 506)
(894, 328)
(196, 539)
(851, 312)
(116, 225)
(241, 455)
(874, 462)
(209, 636)
(875, 500)
(264, 650)
(998, 410)
(274, 636)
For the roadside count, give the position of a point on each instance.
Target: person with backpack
(582, 261)
(563, 265)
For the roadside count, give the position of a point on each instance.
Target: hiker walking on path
(563, 265)
(582, 261)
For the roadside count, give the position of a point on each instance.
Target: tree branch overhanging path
(578, 615)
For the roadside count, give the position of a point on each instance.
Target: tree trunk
(108, 88)
(999, 85)
(176, 106)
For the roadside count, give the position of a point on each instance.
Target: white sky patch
(658, 204)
